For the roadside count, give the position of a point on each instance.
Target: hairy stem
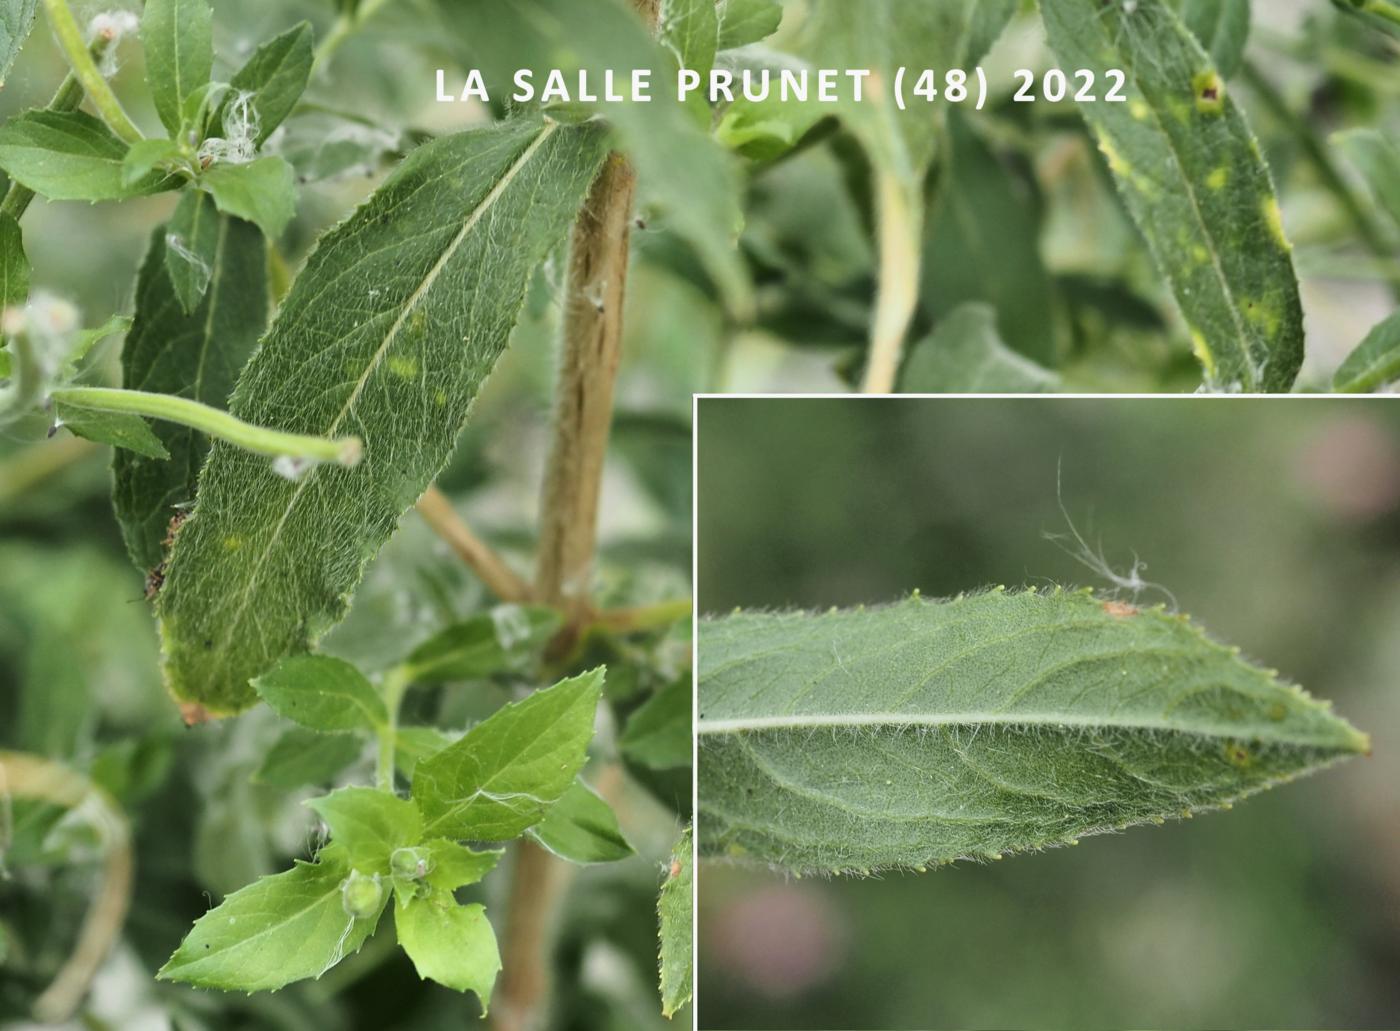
(216, 423)
(898, 288)
(345, 26)
(392, 689)
(70, 39)
(500, 579)
(68, 97)
(31, 776)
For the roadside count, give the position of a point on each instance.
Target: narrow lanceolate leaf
(1378, 160)
(322, 693)
(582, 828)
(69, 155)
(1374, 363)
(120, 429)
(16, 19)
(1196, 183)
(276, 77)
(14, 263)
(399, 315)
(675, 910)
(177, 38)
(920, 733)
(449, 943)
(279, 929)
(191, 248)
(501, 778)
(196, 356)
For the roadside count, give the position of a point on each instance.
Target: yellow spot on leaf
(1203, 352)
(403, 366)
(1217, 179)
(1273, 217)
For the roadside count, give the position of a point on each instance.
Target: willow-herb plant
(259, 468)
(914, 735)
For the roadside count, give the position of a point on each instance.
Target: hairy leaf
(191, 250)
(399, 315)
(322, 693)
(120, 429)
(263, 191)
(369, 825)
(676, 914)
(196, 356)
(450, 943)
(276, 77)
(16, 19)
(1196, 183)
(582, 828)
(70, 155)
(279, 929)
(501, 778)
(1222, 26)
(1374, 363)
(501, 641)
(304, 757)
(177, 37)
(965, 355)
(679, 168)
(920, 733)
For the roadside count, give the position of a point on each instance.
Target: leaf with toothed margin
(915, 734)
(1195, 181)
(388, 332)
(675, 913)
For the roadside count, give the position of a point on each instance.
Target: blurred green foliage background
(1276, 523)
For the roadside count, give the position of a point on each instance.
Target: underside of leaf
(921, 733)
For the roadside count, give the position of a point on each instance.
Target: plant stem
(898, 288)
(394, 685)
(591, 343)
(502, 581)
(216, 423)
(70, 39)
(345, 26)
(68, 97)
(33, 777)
(643, 617)
(1359, 211)
(1384, 9)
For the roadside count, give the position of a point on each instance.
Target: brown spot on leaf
(1120, 609)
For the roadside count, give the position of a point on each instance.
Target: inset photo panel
(1042, 712)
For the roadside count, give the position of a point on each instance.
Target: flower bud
(412, 864)
(361, 894)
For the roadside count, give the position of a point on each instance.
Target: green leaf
(1196, 184)
(276, 76)
(86, 339)
(14, 263)
(399, 315)
(452, 865)
(582, 828)
(450, 944)
(369, 825)
(1378, 160)
(982, 243)
(263, 191)
(415, 743)
(1222, 26)
(177, 37)
(197, 356)
(16, 19)
(915, 734)
(145, 156)
(322, 693)
(691, 180)
(501, 778)
(742, 22)
(691, 29)
(302, 757)
(965, 355)
(191, 249)
(70, 155)
(504, 640)
(277, 930)
(120, 429)
(658, 734)
(1374, 363)
(675, 909)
